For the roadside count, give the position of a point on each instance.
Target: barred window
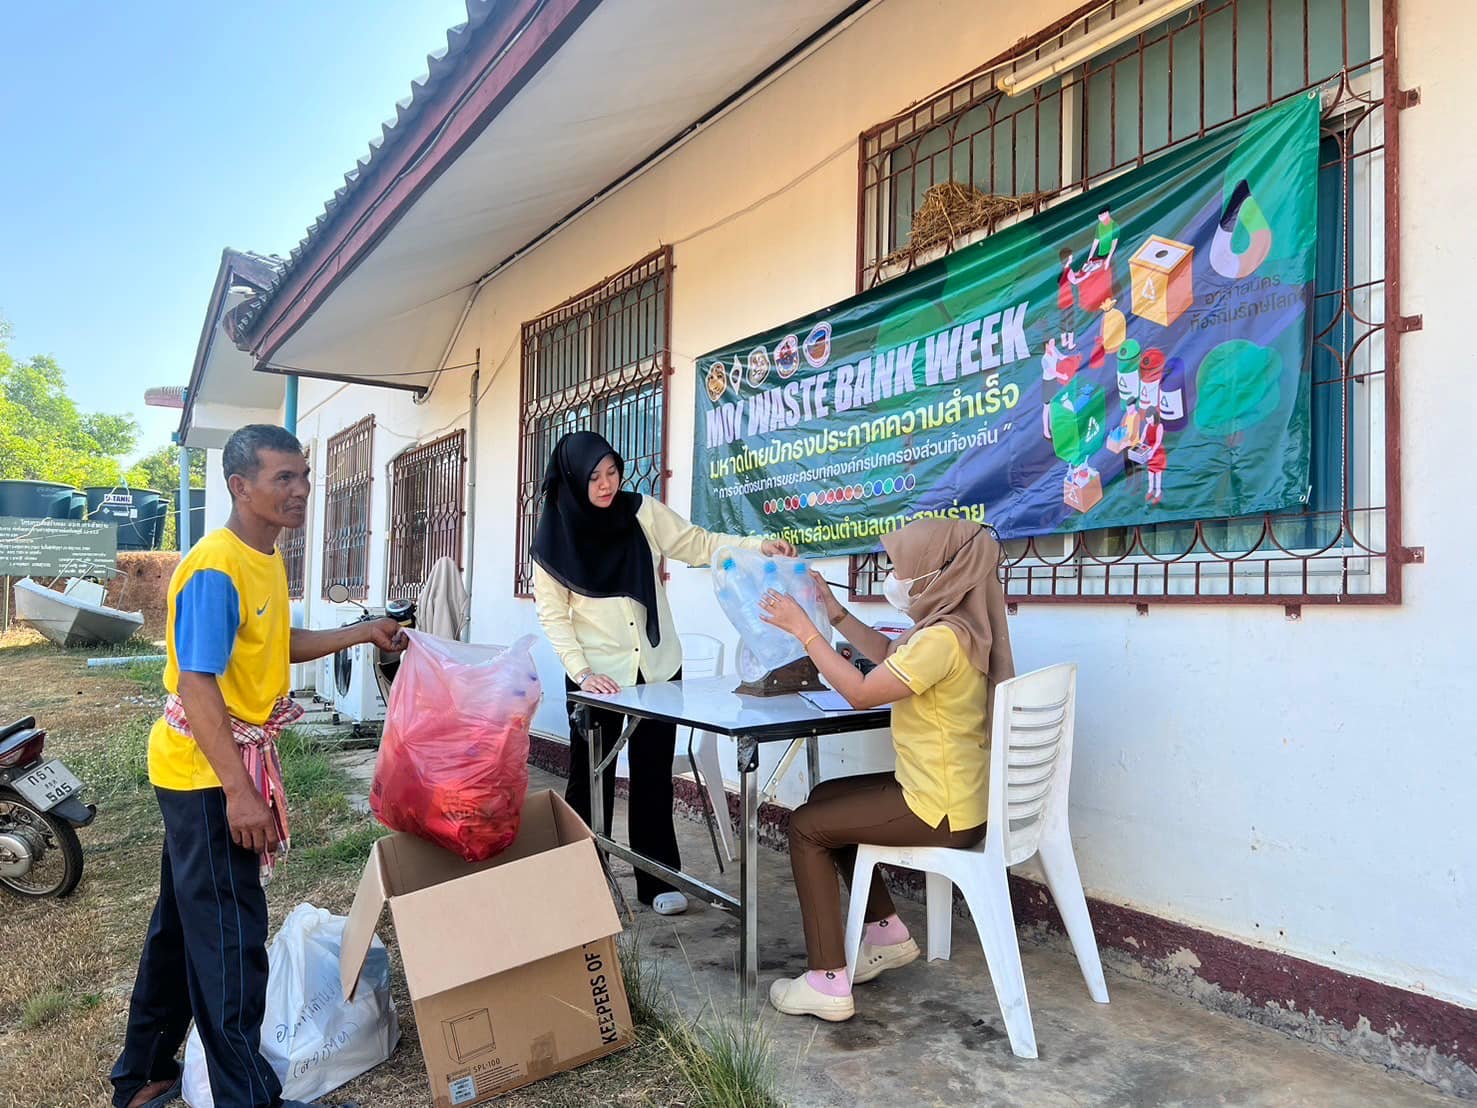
(598, 362)
(346, 482)
(427, 509)
(1219, 61)
(294, 547)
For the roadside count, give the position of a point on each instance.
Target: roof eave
(499, 59)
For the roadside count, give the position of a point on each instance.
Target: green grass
(43, 1008)
(726, 1063)
(307, 772)
(136, 645)
(149, 676)
(117, 763)
(650, 1003)
(350, 848)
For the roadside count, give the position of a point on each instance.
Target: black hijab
(594, 551)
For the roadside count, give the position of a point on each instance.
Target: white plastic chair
(702, 656)
(1030, 770)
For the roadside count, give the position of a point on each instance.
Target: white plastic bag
(310, 1036)
(740, 578)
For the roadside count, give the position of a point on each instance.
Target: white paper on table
(828, 700)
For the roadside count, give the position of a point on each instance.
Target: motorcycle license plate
(47, 786)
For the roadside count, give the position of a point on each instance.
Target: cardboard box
(511, 962)
(1162, 275)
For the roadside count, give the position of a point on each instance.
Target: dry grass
(949, 210)
(63, 1005)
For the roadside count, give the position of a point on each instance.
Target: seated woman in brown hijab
(939, 677)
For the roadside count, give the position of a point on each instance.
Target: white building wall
(217, 495)
(1300, 784)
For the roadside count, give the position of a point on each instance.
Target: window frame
(343, 536)
(442, 464)
(618, 388)
(293, 546)
(1356, 566)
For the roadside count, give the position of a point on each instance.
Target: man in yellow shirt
(213, 764)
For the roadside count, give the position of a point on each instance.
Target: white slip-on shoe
(876, 960)
(795, 996)
(669, 904)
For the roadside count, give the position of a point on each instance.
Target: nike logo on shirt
(263, 608)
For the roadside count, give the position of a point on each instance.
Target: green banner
(1137, 354)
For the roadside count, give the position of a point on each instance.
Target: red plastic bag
(453, 764)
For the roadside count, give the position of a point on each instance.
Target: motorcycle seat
(19, 725)
(14, 740)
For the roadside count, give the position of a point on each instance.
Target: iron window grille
(1220, 61)
(427, 510)
(294, 548)
(347, 480)
(601, 361)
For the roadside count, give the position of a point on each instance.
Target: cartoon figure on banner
(1095, 279)
(1066, 301)
(1150, 452)
(1106, 237)
(1057, 370)
(1051, 359)
(1115, 327)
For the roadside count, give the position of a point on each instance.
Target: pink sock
(830, 982)
(886, 932)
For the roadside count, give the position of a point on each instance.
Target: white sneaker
(669, 904)
(795, 996)
(876, 960)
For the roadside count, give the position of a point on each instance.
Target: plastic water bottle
(802, 588)
(738, 594)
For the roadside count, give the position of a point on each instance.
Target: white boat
(76, 617)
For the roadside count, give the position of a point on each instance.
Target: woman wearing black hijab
(601, 602)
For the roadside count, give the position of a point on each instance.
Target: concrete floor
(931, 1033)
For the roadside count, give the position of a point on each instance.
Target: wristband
(805, 646)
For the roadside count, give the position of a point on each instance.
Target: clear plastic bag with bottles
(740, 578)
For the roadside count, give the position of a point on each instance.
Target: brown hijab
(966, 596)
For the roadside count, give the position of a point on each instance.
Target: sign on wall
(55, 547)
(1134, 355)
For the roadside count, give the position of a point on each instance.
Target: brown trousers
(824, 833)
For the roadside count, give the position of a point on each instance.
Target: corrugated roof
(424, 90)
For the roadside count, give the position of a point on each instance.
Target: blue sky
(140, 139)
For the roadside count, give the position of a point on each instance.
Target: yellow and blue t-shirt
(229, 616)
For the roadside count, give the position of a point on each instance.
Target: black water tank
(41, 500)
(134, 511)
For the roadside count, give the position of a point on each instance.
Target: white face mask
(899, 592)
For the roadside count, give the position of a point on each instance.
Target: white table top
(711, 704)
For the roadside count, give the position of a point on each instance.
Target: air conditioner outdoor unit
(323, 682)
(303, 675)
(356, 694)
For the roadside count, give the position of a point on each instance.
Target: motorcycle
(40, 808)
